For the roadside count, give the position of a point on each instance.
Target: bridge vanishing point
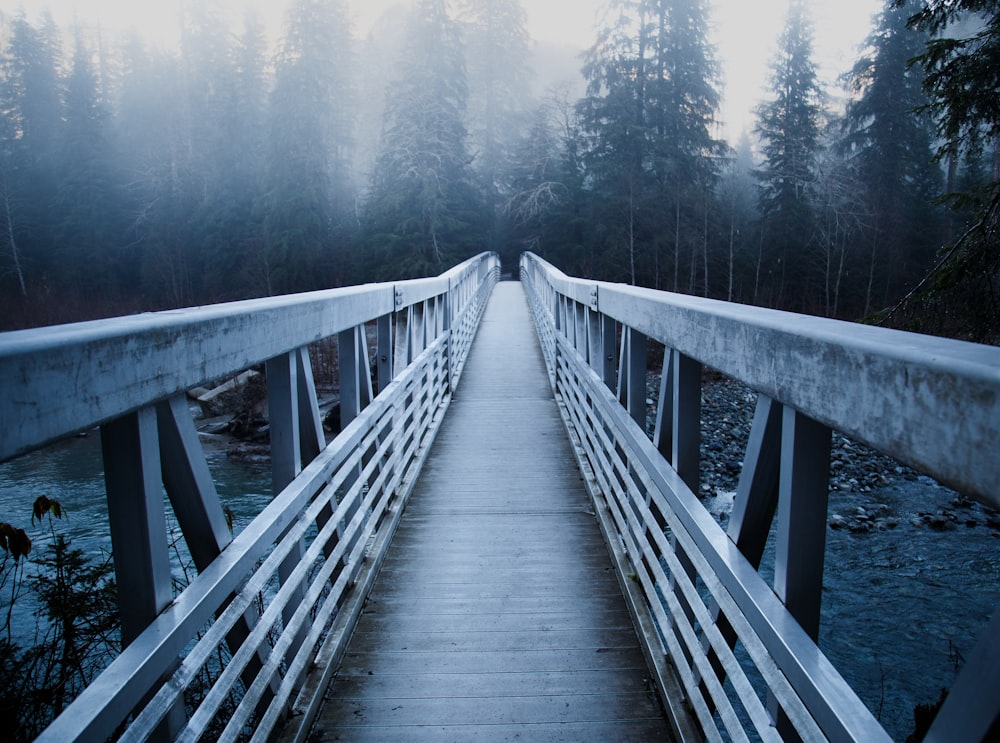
(493, 547)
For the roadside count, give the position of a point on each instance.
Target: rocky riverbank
(858, 473)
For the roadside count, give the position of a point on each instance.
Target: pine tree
(889, 138)
(498, 92)
(32, 111)
(958, 294)
(154, 137)
(737, 199)
(229, 219)
(648, 113)
(423, 211)
(87, 215)
(788, 126)
(309, 197)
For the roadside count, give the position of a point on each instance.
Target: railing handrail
(163, 353)
(932, 403)
(728, 648)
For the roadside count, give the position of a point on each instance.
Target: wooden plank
(496, 613)
(361, 661)
(498, 710)
(638, 731)
(507, 684)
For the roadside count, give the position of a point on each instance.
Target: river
(902, 606)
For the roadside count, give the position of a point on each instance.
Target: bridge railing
(271, 606)
(730, 651)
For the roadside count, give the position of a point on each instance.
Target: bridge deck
(496, 614)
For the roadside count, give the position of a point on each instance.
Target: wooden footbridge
(493, 547)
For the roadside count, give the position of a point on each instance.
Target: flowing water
(72, 473)
(902, 607)
(904, 603)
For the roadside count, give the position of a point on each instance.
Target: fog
(161, 155)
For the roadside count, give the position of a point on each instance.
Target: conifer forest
(137, 178)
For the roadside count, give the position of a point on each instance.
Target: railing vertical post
(802, 507)
(445, 301)
(581, 328)
(350, 380)
(283, 414)
(138, 521)
(286, 457)
(663, 431)
(311, 438)
(636, 398)
(418, 319)
(609, 329)
(384, 333)
(686, 444)
(972, 709)
(595, 341)
(401, 350)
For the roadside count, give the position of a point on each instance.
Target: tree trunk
(704, 246)
(9, 220)
(677, 237)
(732, 243)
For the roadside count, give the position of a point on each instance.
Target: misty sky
(745, 32)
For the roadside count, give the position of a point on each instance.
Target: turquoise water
(72, 473)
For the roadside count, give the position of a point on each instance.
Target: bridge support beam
(757, 491)
(189, 484)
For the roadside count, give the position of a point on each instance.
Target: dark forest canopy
(133, 178)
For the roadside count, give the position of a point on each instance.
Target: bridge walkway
(497, 614)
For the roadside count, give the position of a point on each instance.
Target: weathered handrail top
(170, 351)
(933, 403)
(412, 291)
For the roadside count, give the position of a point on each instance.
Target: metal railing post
(802, 507)
(686, 439)
(286, 459)
(385, 337)
(138, 522)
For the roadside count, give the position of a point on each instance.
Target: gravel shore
(858, 473)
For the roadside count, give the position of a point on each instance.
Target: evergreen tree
(423, 212)
(233, 83)
(616, 121)
(87, 215)
(737, 201)
(155, 142)
(498, 92)
(648, 113)
(788, 126)
(687, 157)
(547, 206)
(889, 138)
(958, 295)
(30, 103)
(309, 197)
